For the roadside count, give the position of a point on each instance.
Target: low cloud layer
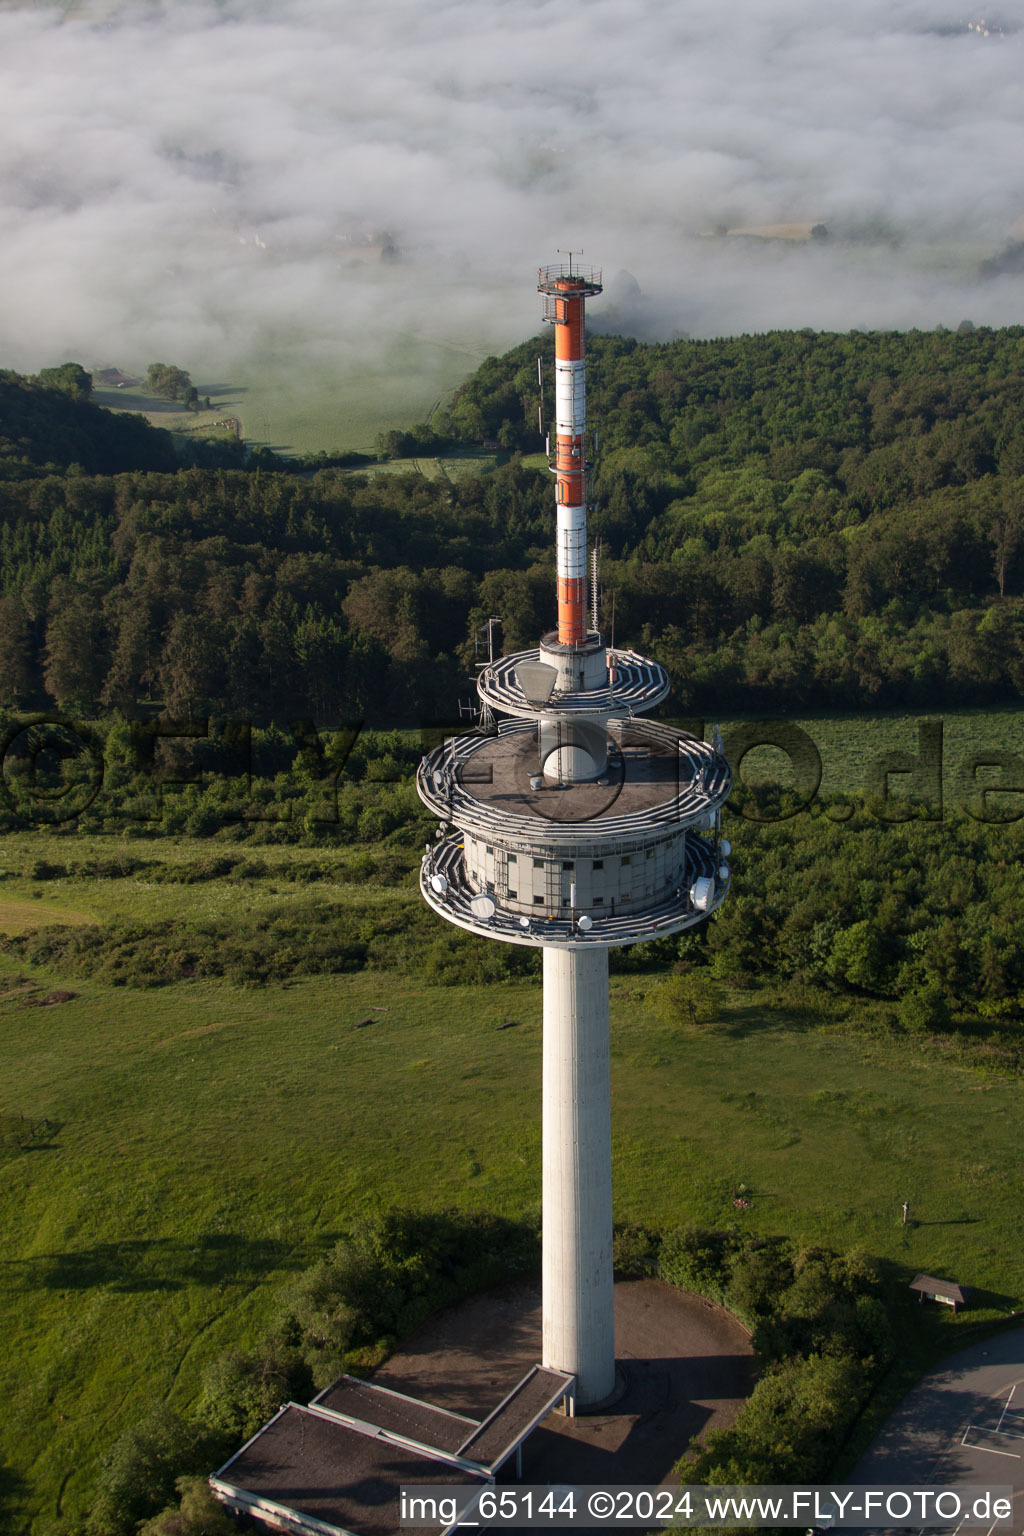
(211, 182)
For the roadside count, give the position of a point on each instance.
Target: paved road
(963, 1423)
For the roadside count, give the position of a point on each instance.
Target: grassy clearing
(17, 916)
(213, 1140)
(297, 401)
(451, 466)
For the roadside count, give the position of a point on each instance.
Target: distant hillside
(787, 521)
(44, 429)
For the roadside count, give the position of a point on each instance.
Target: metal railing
(587, 278)
(703, 785)
(668, 914)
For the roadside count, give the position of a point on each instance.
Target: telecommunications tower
(573, 826)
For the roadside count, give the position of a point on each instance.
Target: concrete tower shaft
(578, 1308)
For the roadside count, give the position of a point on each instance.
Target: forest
(786, 520)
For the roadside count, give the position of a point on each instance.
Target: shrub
(138, 1476)
(697, 1261)
(240, 1392)
(923, 1011)
(693, 999)
(197, 1514)
(635, 1251)
(387, 1275)
(790, 1428)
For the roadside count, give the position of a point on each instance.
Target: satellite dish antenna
(439, 884)
(702, 893)
(585, 923)
(524, 922)
(483, 907)
(725, 846)
(723, 871)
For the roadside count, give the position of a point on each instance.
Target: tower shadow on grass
(738, 1023)
(163, 1264)
(13, 1492)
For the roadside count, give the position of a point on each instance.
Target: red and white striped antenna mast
(566, 287)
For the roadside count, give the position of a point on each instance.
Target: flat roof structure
(402, 1417)
(502, 1432)
(307, 1471)
(337, 1467)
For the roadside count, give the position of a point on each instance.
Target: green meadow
(295, 403)
(208, 1140)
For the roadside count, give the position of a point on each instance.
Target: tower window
(538, 901)
(568, 864)
(626, 859)
(512, 859)
(513, 895)
(538, 863)
(599, 863)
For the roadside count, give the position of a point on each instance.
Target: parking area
(962, 1424)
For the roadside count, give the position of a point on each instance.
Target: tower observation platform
(575, 826)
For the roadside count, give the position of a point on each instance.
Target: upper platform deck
(635, 684)
(656, 776)
(568, 279)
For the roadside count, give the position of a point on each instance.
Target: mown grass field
(296, 402)
(214, 1139)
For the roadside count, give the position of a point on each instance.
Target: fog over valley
(326, 188)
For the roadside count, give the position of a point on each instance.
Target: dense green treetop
(169, 382)
(49, 425)
(788, 520)
(70, 377)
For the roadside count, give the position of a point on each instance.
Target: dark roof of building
(399, 1415)
(332, 1476)
(932, 1287)
(513, 1419)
